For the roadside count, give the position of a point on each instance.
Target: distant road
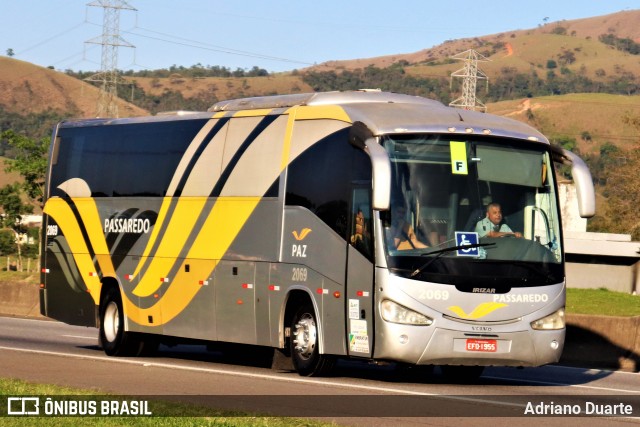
(55, 353)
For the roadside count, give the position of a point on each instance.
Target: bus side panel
(225, 306)
(229, 223)
(289, 278)
(317, 258)
(235, 302)
(197, 320)
(65, 296)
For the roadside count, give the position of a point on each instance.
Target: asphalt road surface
(357, 393)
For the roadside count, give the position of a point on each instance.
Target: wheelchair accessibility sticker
(464, 238)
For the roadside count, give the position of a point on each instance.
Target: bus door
(359, 287)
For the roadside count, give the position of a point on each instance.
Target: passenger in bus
(402, 233)
(361, 237)
(492, 225)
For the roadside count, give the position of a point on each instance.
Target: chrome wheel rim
(305, 336)
(111, 322)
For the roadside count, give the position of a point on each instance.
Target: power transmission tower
(470, 75)
(110, 41)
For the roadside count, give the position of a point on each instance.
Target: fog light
(404, 339)
(554, 344)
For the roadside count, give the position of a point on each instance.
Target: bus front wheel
(114, 339)
(305, 352)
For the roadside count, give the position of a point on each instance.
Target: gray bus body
(268, 221)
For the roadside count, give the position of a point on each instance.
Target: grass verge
(602, 302)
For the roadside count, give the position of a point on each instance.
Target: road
(54, 353)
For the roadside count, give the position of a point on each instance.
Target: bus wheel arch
(304, 339)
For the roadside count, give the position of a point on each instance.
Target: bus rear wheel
(305, 353)
(114, 339)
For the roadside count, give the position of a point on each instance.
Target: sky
(274, 35)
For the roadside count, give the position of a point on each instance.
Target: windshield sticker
(469, 239)
(458, 157)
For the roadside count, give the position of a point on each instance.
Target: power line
(213, 48)
(196, 44)
(49, 38)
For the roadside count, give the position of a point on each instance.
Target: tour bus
(324, 225)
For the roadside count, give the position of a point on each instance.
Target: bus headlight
(395, 313)
(551, 322)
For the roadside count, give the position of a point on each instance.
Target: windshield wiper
(441, 252)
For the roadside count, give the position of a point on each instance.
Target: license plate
(482, 345)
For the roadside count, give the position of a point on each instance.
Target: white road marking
(551, 383)
(81, 336)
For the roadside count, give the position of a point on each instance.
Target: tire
(114, 339)
(304, 345)
(462, 374)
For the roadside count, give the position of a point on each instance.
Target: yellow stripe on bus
(162, 217)
(177, 232)
(225, 221)
(228, 216)
(322, 112)
(223, 225)
(91, 218)
(60, 211)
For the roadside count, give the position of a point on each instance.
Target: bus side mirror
(381, 171)
(584, 183)
(362, 137)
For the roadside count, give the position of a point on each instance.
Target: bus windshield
(477, 211)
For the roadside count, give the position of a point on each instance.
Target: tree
(14, 208)
(10, 52)
(30, 162)
(567, 57)
(586, 136)
(623, 187)
(7, 242)
(561, 31)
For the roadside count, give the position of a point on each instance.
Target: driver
(492, 226)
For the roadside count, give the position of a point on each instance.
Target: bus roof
(382, 113)
(393, 113)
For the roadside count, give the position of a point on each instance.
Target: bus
(324, 226)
